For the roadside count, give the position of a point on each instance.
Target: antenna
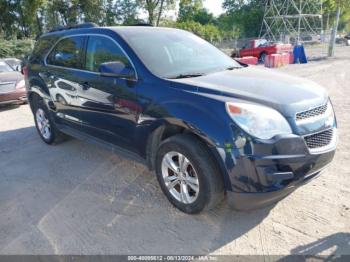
(292, 19)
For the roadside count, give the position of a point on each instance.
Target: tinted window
(67, 53)
(101, 50)
(42, 47)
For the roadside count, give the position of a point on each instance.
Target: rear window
(67, 53)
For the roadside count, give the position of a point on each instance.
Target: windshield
(5, 67)
(13, 62)
(171, 53)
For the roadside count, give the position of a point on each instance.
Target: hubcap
(180, 177)
(43, 123)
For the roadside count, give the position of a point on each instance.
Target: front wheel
(188, 175)
(262, 58)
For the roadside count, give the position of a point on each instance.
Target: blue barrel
(299, 55)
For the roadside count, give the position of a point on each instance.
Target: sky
(214, 6)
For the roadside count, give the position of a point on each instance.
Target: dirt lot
(74, 198)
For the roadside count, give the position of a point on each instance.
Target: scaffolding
(292, 20)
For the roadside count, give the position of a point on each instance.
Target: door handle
(85, 85)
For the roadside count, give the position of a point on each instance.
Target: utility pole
(334, 34)
(299, 21)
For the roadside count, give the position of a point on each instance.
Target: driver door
(108, 104)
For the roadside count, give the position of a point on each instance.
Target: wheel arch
(169, 129)
(263, 52)
(37, 89)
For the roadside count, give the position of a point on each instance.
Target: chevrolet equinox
(209, 126)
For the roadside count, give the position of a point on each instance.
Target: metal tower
(286, 20)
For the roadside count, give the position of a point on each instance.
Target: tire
(262, 58)
(199, 172)
(44, 123)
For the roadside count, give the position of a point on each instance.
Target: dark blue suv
(209, 126)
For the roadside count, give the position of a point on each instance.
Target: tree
(155, 9)
(20, 18)
(126, 11)
(244, 16)
(193, 10)
(62, 12)
(188, 8)
(90, 10)
(341, 6)
(110, 14)
(7, 19)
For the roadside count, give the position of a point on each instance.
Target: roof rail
(142, 24)
(78, 26)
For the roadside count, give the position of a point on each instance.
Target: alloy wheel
(43, 123)
(180, 177)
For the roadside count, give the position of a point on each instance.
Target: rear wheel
(188, 175)
(44, 124)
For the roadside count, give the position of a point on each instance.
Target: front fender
(211, 124)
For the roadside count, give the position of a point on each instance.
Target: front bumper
(17, 96)
(263, 173)
(251, 201)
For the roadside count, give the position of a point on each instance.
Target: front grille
(7, 87)
(319, 140)
(311, 113)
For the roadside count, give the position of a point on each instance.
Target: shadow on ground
(74, 198)
(8, 107)
(338, 243)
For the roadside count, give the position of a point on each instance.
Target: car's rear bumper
(17, 96)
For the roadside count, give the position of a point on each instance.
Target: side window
(67, 53)
(101, 50)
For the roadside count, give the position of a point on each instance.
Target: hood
(10, 77)
(283, 92)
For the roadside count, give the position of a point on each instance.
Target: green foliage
(21, 19)
(209, 32)
(193, 10)
(125, 12)
(188, 8)
(15, 48)
(155, 9)
(243, 16)
(330, 7)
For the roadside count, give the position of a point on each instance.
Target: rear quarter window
(41, 48)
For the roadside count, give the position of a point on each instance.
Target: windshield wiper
(233, 68)
(187, 75)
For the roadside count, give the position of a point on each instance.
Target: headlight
(259, 121)
(330, 114)
(20, 84)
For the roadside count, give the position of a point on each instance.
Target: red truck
(260, 48)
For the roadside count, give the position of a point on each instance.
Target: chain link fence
(316, 46)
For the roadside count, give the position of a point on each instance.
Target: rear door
(63, 77)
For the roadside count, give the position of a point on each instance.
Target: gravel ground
(74, 198)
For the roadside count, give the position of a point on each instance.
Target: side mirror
(117, 69)
(19, 68)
